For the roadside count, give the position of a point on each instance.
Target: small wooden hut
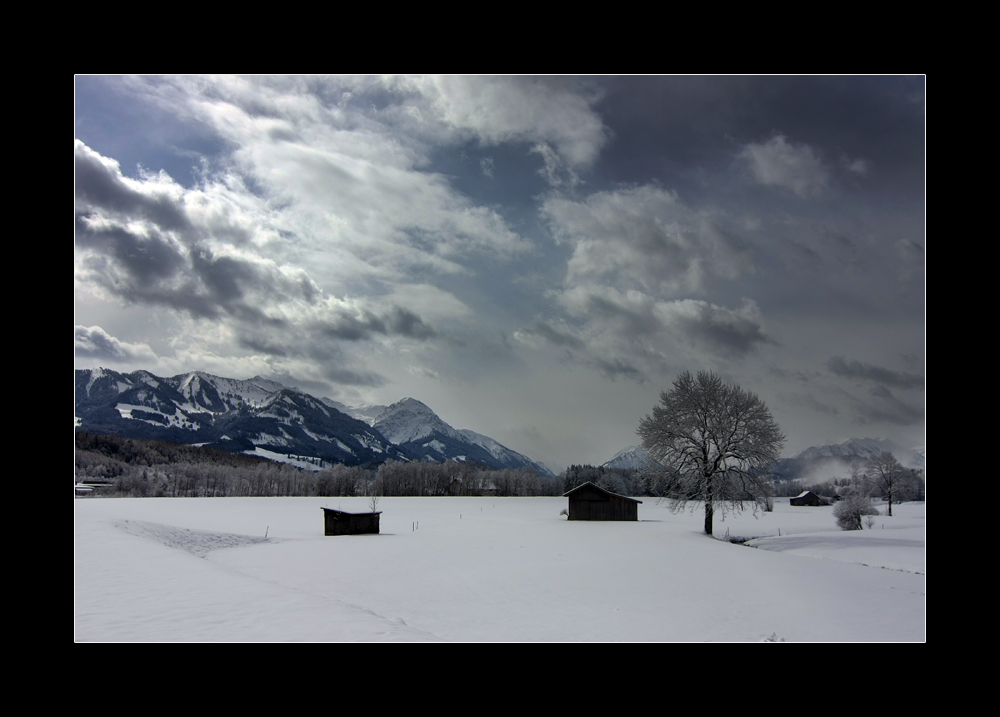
(589, 502)
(338, 522)
(806, 497)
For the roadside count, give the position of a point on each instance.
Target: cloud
(151, 242)
(354, 323)
(100, 183)
(860, 167)
(94, 342)
(555, 335)
(730, 333)
(423, 372)
(883, 407)
(780, 163)
(634, 335)
(346, 177)
(554, 170)
(645, 237)
(551, 110)
(911, 257)
(143, 265)
(876, 374)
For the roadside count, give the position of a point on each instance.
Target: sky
(535, 258)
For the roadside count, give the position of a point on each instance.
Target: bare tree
(715, 443)
(888, 475)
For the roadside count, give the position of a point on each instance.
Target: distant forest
(117, 466)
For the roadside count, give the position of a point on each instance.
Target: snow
(282, 458)
(488, 569)
(125, 410)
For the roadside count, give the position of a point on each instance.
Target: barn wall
(606, 509)
(338, 523)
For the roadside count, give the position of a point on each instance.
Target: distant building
(589, 502)
(337, 522)
(806, 497)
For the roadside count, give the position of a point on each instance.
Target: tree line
(149, 468)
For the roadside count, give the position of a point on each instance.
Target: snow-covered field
(488, 569)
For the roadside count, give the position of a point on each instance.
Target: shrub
(850, 510)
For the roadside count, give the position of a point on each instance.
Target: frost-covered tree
(856, 504)
(715, 442)
(888, 476)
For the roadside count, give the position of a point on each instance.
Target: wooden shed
(589, 502)
(806, 497)
(337, 522)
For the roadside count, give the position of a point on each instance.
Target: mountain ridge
(817, 463)
(258, 414)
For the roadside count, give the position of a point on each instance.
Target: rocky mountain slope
(258, 415)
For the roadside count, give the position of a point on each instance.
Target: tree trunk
(709, 509)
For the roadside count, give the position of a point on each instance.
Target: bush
(850, 510)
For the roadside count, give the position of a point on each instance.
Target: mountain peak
(259, 414)
(409, 420)
(631, 457)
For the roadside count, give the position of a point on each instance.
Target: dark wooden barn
(589, 502)
(806, 497)
(337, 522)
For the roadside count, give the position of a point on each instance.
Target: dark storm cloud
(263, 345)
(800, 376)
(360, 325)
(405, 323)
(887, 408)
(632, 321)
(151, 268)
(228, 280)
(349, 377)
(556, 336)
(882, 376)
(723, 331)
(619, 368)
(99, 183)
(146, 259)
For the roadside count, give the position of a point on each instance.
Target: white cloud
(93, 342)
(525, 109)
(780, 163)
(348, 180)
(860, 167)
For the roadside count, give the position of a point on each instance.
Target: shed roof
(344, 512)
(608, 493)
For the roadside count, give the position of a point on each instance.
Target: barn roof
(344, 512)
(608, 493)
(804, 493)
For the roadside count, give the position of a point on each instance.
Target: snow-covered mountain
(235, 415)
(821, 463)
(632, 457)
(258, 414)
(414, 427)
(366, 412)
(864, 448)
(817, 463)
